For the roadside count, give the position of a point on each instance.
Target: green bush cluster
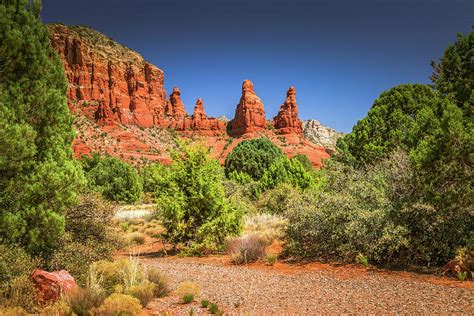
(192, 205)
(252, 157)
(115, 179)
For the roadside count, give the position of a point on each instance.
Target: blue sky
(340, 55)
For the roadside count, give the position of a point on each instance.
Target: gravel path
(258, 291)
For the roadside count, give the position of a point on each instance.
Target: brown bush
(247, 249)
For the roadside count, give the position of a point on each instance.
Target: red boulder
(50, 285)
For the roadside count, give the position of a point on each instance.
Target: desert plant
(205, 303)
(214, 309)
(187, 298)
(193, 207)
(461, 275)
(252, 157)
(277, 200)
(159, 279)
(188, 288)
(136, 238)
(59, 308)
(360, 258)
(13, 311)
(285, 170)
(145, 291)
(22, 293)
(247, 249)
(119, 304)
(14, 263)
(82, 300)
(271, 259)
(115, 179)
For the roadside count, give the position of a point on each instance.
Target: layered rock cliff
(111, 83)
(108, 81)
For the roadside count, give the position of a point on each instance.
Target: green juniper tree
(38, 177)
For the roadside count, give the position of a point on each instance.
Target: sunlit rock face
(249, 114)
(287, 120)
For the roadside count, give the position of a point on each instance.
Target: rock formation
(249, 114)
(52, 285)
(287, 121)
(177, 110)
(121, 107)
(321, 135)
(106, 78)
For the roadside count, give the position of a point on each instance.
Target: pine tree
(38, 177)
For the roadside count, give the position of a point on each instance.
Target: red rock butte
(117, 89)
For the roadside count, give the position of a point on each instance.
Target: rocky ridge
(120, 105)
(320, 134)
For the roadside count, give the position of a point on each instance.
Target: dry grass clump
(13, 311)
(188, 290)
(60, 308)
(266, 225)
(160, 280)
(118, 304)
(127, 276)
(136, 238)
(248, 248)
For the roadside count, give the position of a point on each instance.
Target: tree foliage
(192, 203)
(252, 157)
(374, 211)
(285, 170)
(38, 177)
(454, 74)
(115, 179)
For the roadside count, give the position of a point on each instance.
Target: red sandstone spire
(287, 121)
(250, 113)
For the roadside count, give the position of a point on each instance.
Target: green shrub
(115, 179)
(371, 211)
(271, 259)
(436, 132)
(188, 288)
(276, 201)
(205, 303)
(285, 170)
(214, 309)
(193, 207)
(252, 157)
(351, 216)
(187, 298)
(247, 249)
(90, 236)
(305, 162)
(152, 176)
(119, 304)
